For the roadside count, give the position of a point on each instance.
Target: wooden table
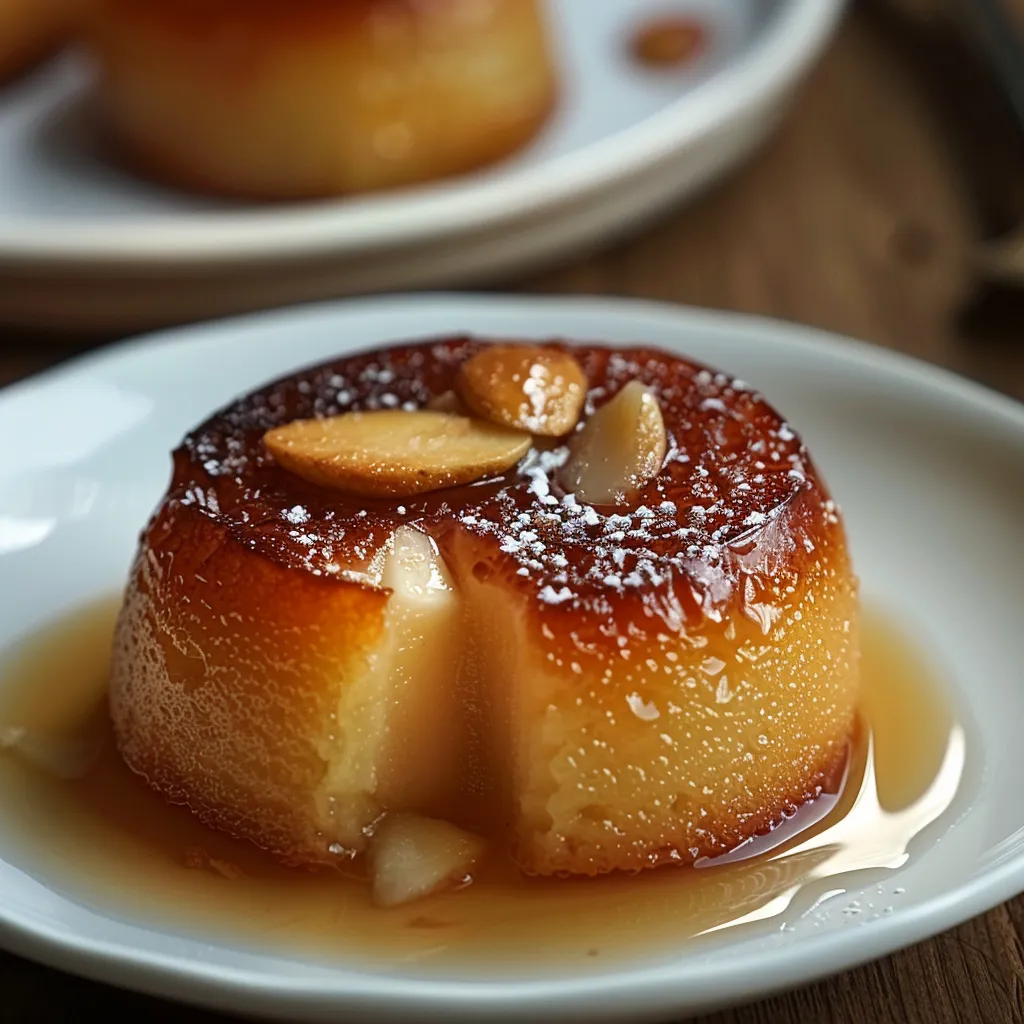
(861, 216)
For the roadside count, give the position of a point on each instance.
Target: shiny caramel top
(737, 508)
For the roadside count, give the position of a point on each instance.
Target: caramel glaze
(733, 554)
(738, 494)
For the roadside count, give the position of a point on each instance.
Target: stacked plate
(84, 246)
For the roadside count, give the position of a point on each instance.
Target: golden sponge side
(228, 673)
(629, 747)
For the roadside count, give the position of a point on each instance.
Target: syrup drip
(77, 819)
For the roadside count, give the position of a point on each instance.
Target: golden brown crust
(652, 684)
(306, 99)
(737, 480)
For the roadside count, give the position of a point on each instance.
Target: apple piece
(411, 857)
(620, 448)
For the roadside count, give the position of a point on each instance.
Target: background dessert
(281, 99)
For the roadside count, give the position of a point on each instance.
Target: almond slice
(619, 449)
(525, 387)
(391, 453)
(411, 857)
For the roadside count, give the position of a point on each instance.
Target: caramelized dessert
(282, 99)
(31, 30)
(415, 607)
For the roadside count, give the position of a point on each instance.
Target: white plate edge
(775, 64)
(783, 332)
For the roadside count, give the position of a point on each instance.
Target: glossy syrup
(75, 817)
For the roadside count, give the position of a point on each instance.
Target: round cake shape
(617, 686)
(292, 99)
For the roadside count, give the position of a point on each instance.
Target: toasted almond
(411, 857)
(620, 448)
(525, 387)
(391, 453)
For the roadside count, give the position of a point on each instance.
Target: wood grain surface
(863, 215)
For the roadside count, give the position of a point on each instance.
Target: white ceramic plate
(85, 246)
(928, 468)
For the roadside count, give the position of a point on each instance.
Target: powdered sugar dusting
(734, 470)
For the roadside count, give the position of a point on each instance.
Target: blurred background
(887, 204)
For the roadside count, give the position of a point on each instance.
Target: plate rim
(628, 992)
(773, 65)
(784, 332)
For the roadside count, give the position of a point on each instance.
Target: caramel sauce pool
(77, 819)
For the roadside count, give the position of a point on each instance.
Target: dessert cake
(587, 606)
(31, 30)
(283, 99)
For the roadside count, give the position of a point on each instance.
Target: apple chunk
(411, 857)
(620, 448)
